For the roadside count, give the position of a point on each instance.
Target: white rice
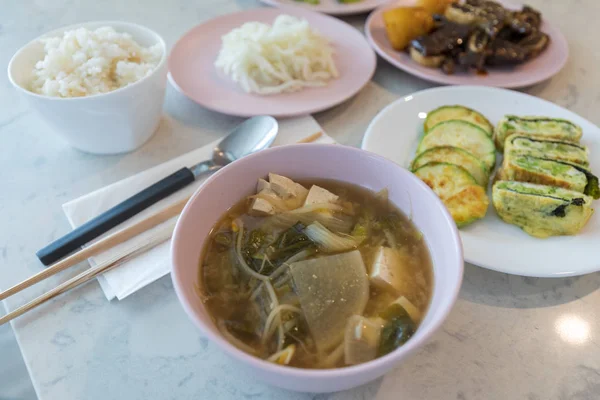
(84, 63)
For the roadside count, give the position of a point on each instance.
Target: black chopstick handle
(114, 216)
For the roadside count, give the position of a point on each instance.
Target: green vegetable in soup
(253, 242)
(290, 242)
(360, 230)
(397, 330)
(395, 333)
(265, 255)
(292, 236)
(390, 221)
(223, 241)
(328, 241)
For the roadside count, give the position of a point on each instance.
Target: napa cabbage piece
(328, 241)
(331, 289)
(329, 215)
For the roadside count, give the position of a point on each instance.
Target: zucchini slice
(446, 113)
(464, 135)
(463, 197)
(454, 155)
(544, 127)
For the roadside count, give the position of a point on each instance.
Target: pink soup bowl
(303, 161)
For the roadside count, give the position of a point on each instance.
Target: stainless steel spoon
(252, 135)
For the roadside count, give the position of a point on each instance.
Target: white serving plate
(491, 243)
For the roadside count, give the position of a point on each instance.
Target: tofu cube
(390, 269)
(318, 195)
(261, 208)
(286, 188)
(262, 185)
(413, 312)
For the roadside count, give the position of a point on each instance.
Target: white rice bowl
(88, 62)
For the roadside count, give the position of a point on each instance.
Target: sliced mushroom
(485, 14)
(448, 66)
(426, 61)
(460, 14)
(478, 42)
(535, 43)
(445, 40)
(475, 55)
(503, 52)
(526, 21)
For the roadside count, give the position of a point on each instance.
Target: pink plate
(331, 7)
(191, 64)
(546, 65)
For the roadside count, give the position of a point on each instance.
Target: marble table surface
(508, 337)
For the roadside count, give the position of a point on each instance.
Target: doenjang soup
(315, 274)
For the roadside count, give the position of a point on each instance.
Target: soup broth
(315, 274)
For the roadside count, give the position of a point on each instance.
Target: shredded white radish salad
(285, 57)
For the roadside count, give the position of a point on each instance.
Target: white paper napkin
(152, 265)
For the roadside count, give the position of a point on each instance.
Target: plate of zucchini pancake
(517, 174)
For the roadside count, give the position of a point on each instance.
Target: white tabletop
(508, 337)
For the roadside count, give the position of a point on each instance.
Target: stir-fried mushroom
(503, 52)
(525, 21)
(535, 43)
(448, 37)
(476, 52)
(477, 33)
(487, 15)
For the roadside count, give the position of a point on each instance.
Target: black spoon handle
(114, 216)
